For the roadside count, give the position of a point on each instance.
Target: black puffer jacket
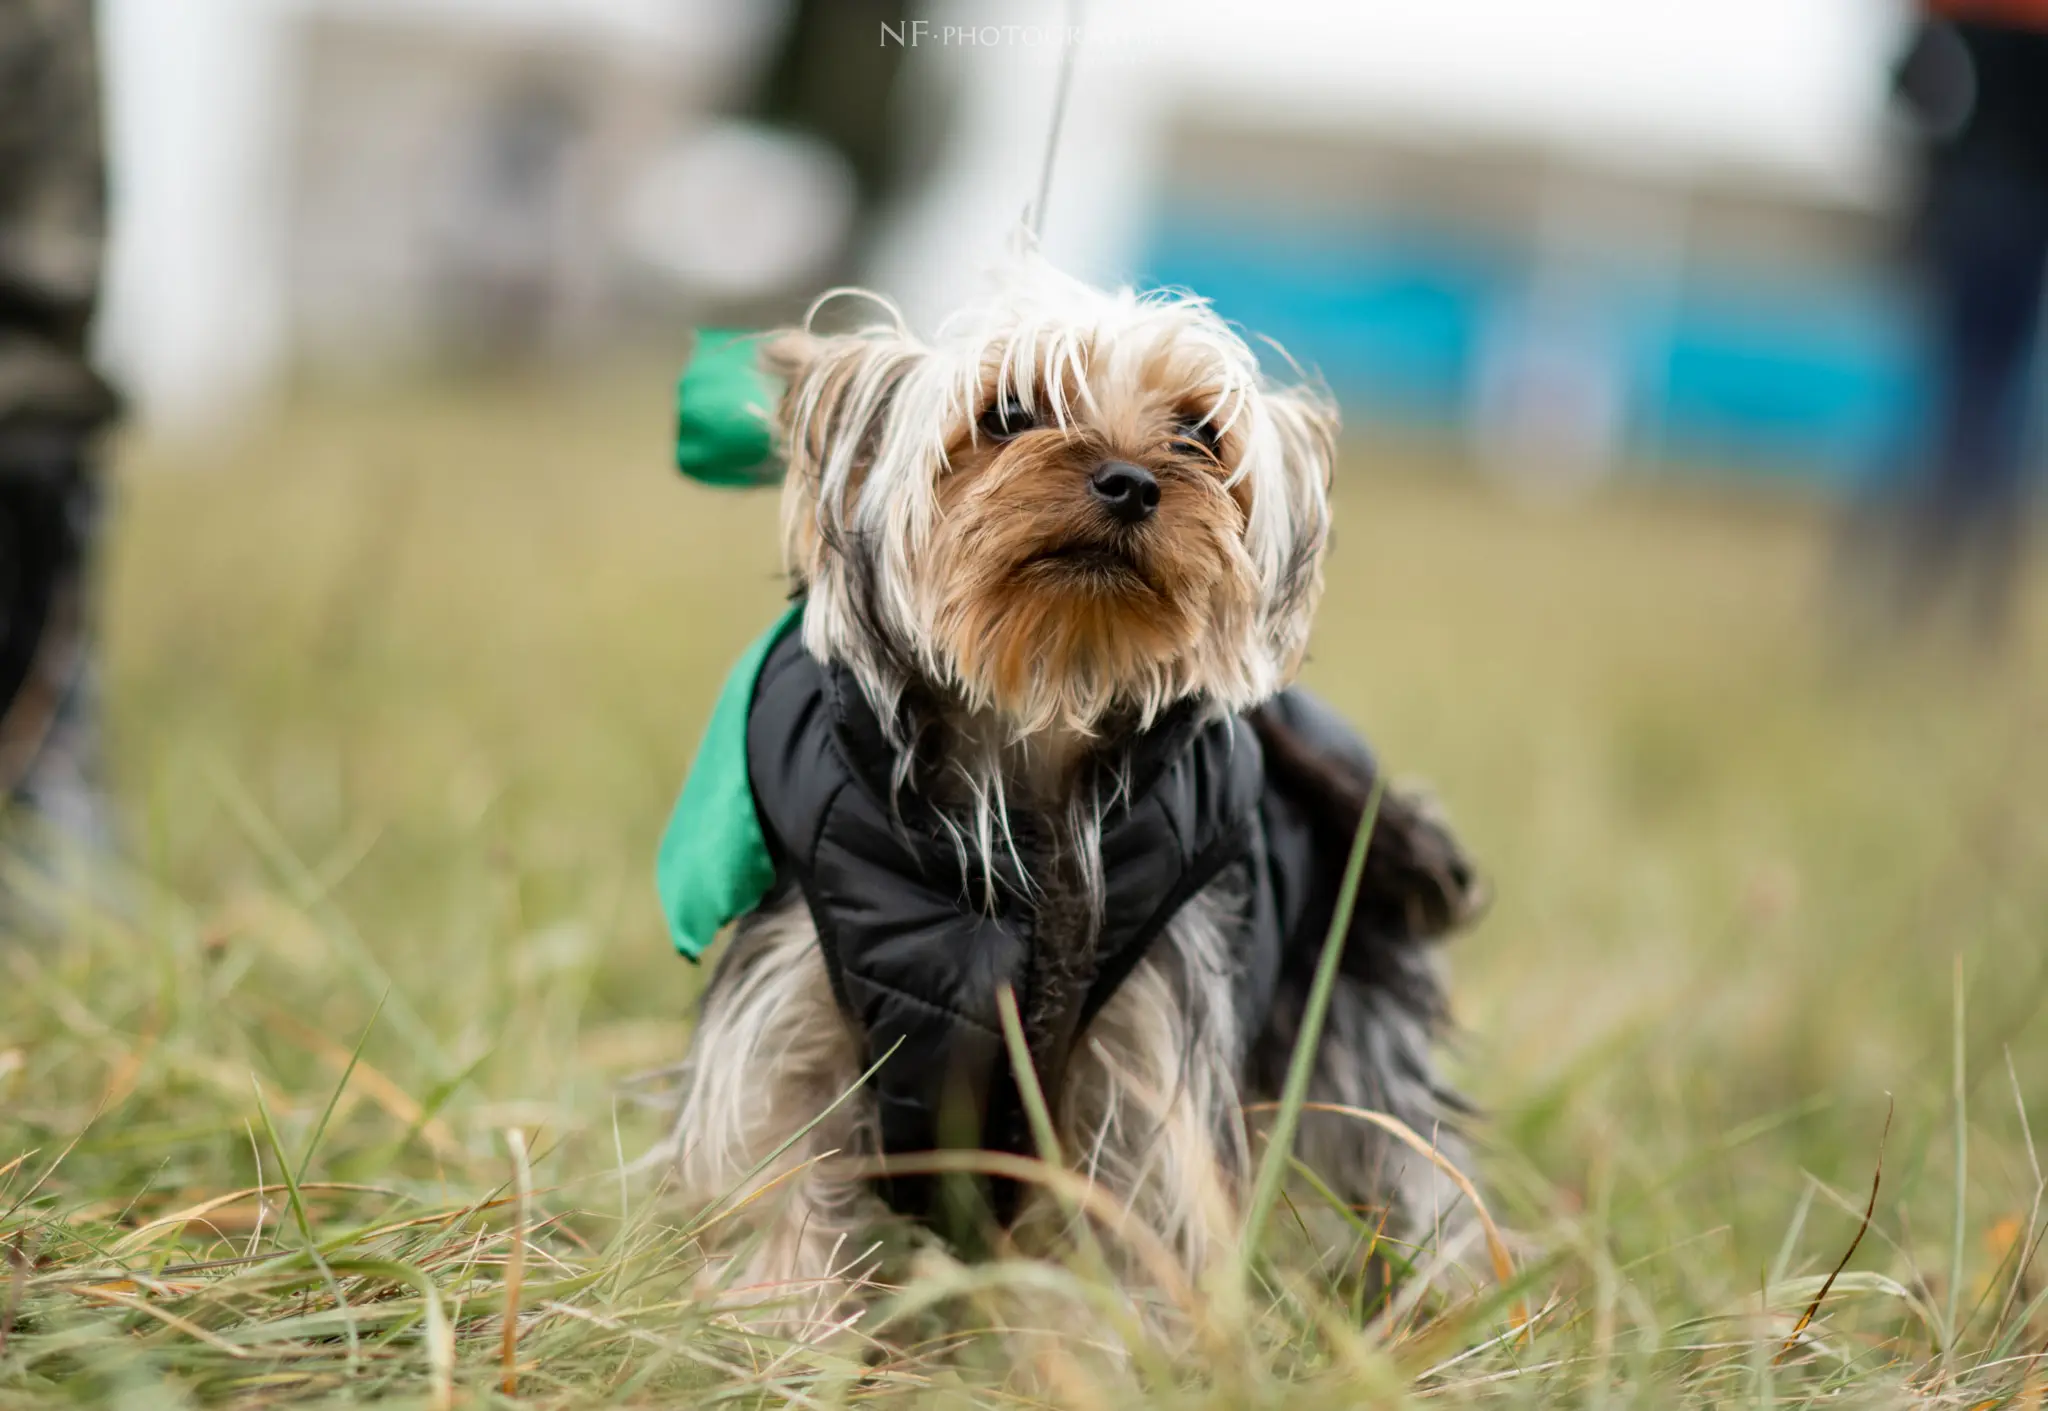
(918, 945)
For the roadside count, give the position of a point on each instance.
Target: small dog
(1031, 727)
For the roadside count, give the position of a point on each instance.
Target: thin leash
(1070, 32)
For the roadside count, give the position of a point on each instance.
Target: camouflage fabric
(52, 403)
(52, 216)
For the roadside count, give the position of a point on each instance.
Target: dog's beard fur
(1050, 615)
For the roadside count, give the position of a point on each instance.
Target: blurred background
(1571, 235)
(1659, 329)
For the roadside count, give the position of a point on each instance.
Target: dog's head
(1073, 505)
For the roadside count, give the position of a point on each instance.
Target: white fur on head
(870, 415)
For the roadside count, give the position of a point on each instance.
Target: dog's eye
(1005, 419)
(1199, 433)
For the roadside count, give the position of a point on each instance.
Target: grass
(330, 1094)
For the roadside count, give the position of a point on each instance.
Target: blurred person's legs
(1985, 251)
(53, 406)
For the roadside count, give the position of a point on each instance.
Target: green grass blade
(334, 1098)
(1951, 1334)
(299, 1217)
(1272, 1170)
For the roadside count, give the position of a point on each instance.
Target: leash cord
(1069, 42)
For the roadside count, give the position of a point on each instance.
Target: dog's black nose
(1127, 491)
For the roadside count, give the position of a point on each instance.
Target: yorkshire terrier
(1031, 728)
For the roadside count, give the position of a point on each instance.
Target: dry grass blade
(1797, 1293)
(720, 1207)
(142, 1234)
(1870, 1209)
(1496, 1246)
(515, 1259)
(51, 1170)
(440, 1336)
(763, 1191)
(169, 1319)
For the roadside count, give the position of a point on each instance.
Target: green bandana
(714, 867)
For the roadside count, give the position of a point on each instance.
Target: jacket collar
(1125, 773)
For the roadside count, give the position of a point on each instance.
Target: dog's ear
(851, 469)
(795, 357)
(1290, 516)
(837, 393)
(789, 357)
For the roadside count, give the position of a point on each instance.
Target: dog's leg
(1150, 1108)
(770, 1053)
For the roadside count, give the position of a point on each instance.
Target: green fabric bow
(723, 405)
(714, 867)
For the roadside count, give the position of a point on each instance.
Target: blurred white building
(1781, 99)
(365, 180)
(350, 179)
